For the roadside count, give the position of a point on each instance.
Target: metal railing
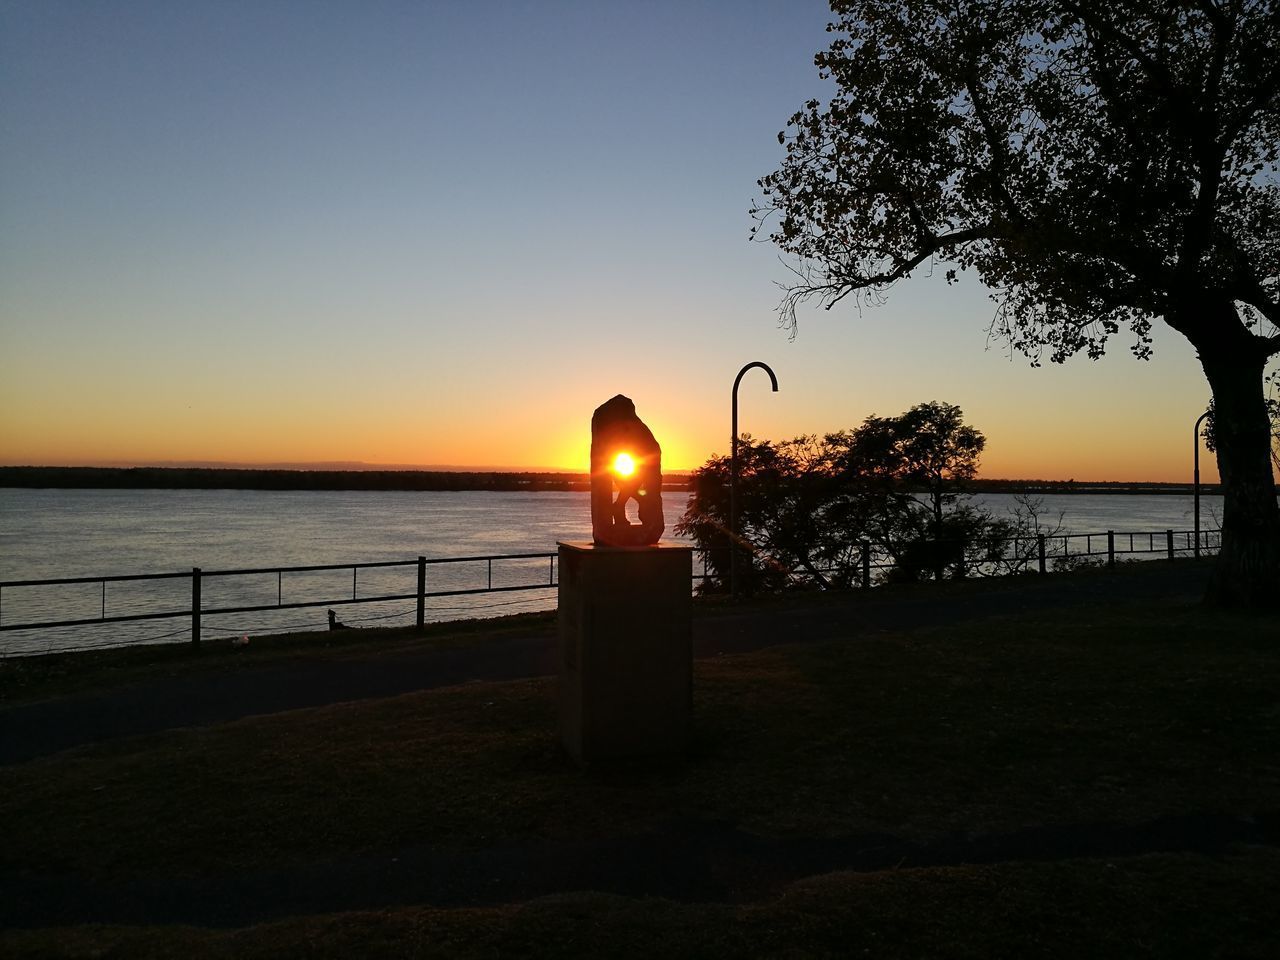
(1044, 553)
(198, 579)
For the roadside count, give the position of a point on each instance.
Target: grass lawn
(1037, 725)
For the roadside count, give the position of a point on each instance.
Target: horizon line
(360, 466)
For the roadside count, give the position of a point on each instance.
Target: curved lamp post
(1195, 444)
(733, 475)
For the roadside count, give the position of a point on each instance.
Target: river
(53, 533)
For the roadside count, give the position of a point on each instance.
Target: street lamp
(1195, 443)
(733, 476)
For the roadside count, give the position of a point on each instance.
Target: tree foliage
(1098, 166)
(930, 446)
(789, 516)
(806, 506)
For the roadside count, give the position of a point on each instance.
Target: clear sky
(444, 232)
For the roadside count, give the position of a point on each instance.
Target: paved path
(38, 729)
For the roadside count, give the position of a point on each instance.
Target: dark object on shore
(336, 624)
(625, 455)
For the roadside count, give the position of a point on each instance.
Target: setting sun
(624, 465)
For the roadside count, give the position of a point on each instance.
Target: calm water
(73, 533)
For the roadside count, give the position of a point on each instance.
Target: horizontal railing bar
(430, 561)
(251, 571)
(496, 556)
(119, 578)
(43, 624)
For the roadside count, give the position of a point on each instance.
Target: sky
(442, 233)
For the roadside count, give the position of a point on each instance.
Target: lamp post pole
(1195, 483)
(733, 475)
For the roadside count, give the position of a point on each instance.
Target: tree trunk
(1248, 569)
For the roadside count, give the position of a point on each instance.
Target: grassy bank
(1059, 729)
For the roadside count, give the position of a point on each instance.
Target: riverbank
(988, 770)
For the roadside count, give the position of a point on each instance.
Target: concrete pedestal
(625, 650)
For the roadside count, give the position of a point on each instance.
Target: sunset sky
(441, 233)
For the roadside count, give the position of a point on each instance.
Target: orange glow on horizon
(256, 428)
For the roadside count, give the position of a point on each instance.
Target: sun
(624, 465)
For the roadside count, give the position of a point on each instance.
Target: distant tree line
(201, 478)
(1056, 487)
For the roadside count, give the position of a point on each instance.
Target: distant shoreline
(214, 478)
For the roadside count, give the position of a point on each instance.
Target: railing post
(1168, 535)
(422, 591)
(195, 606)
(866, 564)
(1111, 548)
(1040, 552)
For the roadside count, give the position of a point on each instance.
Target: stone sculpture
(624, 457)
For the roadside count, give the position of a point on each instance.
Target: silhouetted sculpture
(335, 623)
(624, 455)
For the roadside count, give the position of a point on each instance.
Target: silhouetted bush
(807, 506)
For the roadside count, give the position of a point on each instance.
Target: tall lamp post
(733, 475)
(1195, 485)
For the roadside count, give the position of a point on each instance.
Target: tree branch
(999, 162)
(1210, 152)
(1087, 14)
(931, 246)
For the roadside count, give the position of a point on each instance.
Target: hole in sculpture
(633, 511)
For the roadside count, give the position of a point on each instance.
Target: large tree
(1098, 166)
